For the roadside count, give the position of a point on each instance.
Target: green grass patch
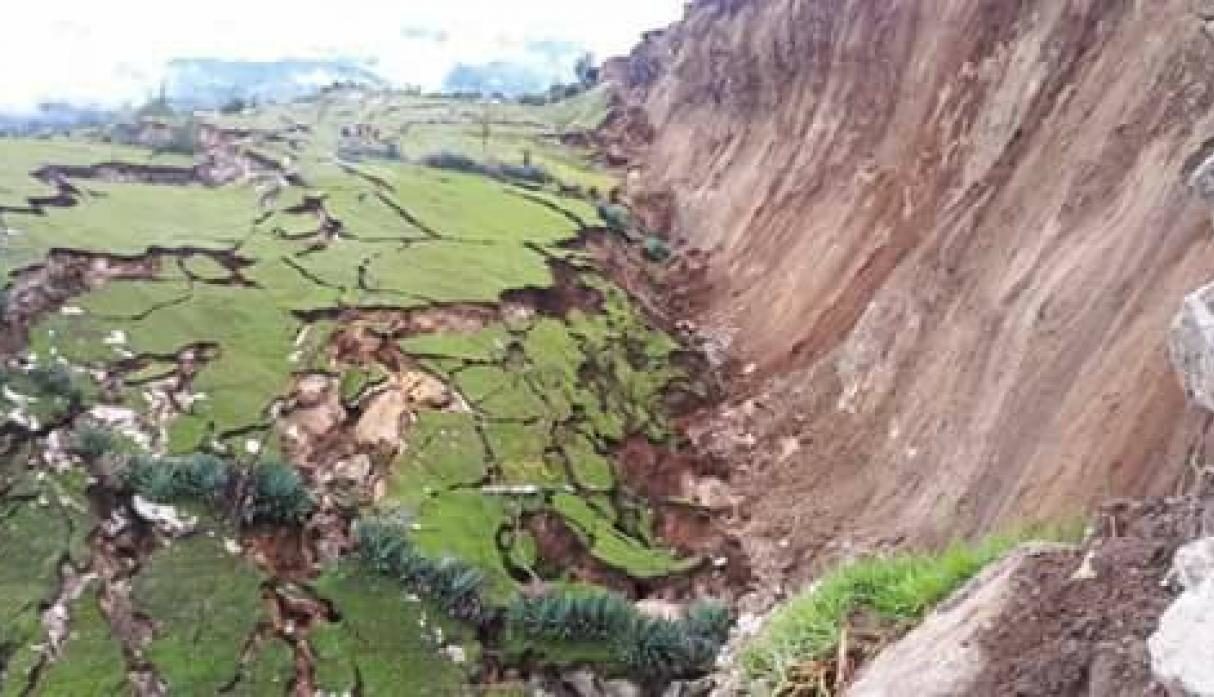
(614, 548)
(91, 662)
(385, 640)
(205, 602)
(443, 451)
(463, 525)
(41, 526)
(898, 589)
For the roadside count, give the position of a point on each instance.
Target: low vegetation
(498, 170)
(273, 490)
(646, 647)
(454, 586)
(277, 495)
(197, 477)
(798, 647)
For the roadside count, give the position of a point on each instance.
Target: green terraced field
(260, 290)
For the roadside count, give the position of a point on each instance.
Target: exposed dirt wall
(948, 236)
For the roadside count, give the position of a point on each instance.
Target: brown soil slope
(950, 235)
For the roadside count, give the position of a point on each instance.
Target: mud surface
(1078, 633)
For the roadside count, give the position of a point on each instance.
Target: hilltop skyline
(117, 53)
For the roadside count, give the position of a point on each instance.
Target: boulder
(1181, 658)
(621, 688)
(165, 518)
(1180, 649)
(582, 683)
(1191, 344)
(1193, 564)
(941, 657)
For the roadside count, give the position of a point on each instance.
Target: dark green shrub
(203, 476)
(152, 478)
(528, 173)
(649, 647)
(54, 381)
(454, 161)
(709, 620)
(654, 648)
(453, 585)
(656, 249)
(91, 443)
(617, 218)
(565, 616)
(196, 477)
(277, 494)
(456, 587)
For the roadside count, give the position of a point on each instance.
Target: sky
(109, 52)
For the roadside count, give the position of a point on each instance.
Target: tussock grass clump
(456, 587)
(196, 477)
(648, 647)
(898, 590)
(564, 616)
(277, 494)
(92, 443)
(274, 491)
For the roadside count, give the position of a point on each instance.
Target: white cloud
(114, 51)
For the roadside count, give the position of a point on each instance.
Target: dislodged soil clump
(1077, 621)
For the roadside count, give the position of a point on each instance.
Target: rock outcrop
(1192, 346)
(947, 239)
(1181, 655)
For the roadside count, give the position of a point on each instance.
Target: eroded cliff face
(948, 237)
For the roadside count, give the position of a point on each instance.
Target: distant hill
(54, 115)
(205, 83)
(211, 82)
(540, 65)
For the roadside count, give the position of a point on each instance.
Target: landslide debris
(943, 245)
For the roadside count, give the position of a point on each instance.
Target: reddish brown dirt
(653, 472)
(560, 550)
(1063, 636)
(282, 551)
(566, 294)
(945, 238)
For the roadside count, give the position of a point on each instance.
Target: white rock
(1191, 345)
(457, 654)
(165, 518)
(71, 310)
(1180, 648)
(1193, 563)
(1086, 571)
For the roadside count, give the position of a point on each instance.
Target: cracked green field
(258, 287)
